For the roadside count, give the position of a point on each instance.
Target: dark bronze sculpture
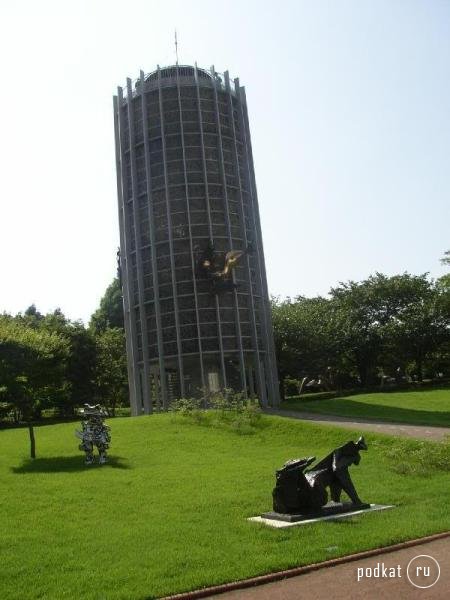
(303, 491)
(119, 267)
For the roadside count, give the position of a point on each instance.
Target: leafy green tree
(384, 320)
(32, 314)
(32, 366)
(444, 281)
(420, 331)
(80, 364)
(81, 367)
(303, 335)
(111, 369)
(110, 311)
(361, 309)
(364, 328)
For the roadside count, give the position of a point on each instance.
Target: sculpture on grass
(94, 433)
(300, 490)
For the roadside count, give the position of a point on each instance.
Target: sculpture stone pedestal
(332, 508)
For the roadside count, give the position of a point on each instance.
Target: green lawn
(168, 514)
(429, 407)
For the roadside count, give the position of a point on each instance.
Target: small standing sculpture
(94, 433)
(119, 267)
(301, 491)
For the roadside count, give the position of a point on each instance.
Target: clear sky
(349, 105)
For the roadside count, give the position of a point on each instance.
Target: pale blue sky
(349, 105)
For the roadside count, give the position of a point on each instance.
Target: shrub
(190, 408)
(422, 459)
(225, 409)
(291, 386)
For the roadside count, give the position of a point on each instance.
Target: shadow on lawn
(354, 410)
(59, 464)
(397, 413)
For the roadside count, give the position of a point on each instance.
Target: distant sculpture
(119, 267)
(231, 259)
(94, 433)
(301, 491)
(302, 385)
(325, 381)
(218, 268)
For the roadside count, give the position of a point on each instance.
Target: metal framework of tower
(185, 179)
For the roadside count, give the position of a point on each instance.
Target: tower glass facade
(187, 196)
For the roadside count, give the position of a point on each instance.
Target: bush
(225, 409)
(190, 408)
(423, 459)
(291, 386)
(240, 414)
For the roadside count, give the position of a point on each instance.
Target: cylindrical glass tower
(197, 312)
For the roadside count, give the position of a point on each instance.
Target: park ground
(421, 407)
(360, 579)
(169, 512)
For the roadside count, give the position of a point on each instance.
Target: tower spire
(176, 46)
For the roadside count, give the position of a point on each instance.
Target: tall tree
(445, 260)
(111, 372)
(31, 369)
(420, 330)
(304, 340)
(367, 312)
(80, 364)
(81, 367)
(365, 327)
(444, 281)
(33, 314)
(110, 311)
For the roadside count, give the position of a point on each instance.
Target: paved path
(341, 582)
(424, 432)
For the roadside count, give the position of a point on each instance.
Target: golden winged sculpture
(220, 268)
(231, 259)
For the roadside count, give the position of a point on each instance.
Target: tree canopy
(110, 312)
(356, 335)
(111, 368)
(32, 366)
(364, 329)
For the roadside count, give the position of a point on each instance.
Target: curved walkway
(340, 582)
(424, 432)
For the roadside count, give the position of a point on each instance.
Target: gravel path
(424, 432)
(341, 582)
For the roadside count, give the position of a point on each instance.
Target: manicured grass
(430, 407)
(168, 514)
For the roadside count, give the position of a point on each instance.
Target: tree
(110, 311)
(364, 328)
(32, 314)
(303, 337)
(421, 329)
(80, 365)
(445, 260)
(387, 321)
(111, 369)
(31, 369)
(444, 281)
